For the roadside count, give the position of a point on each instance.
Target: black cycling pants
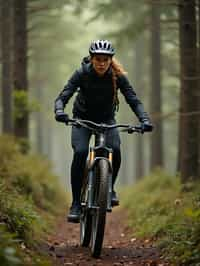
(80, 143)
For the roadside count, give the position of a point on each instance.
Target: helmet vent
(101, 47)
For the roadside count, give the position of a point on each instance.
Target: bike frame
(100, 152)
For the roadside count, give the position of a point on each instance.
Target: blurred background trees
(43, 42)
(6, 83)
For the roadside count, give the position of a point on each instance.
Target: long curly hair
(117, 70)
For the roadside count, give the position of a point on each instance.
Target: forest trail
(120, 246)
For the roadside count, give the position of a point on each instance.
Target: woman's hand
(61, 116)
(146, 125)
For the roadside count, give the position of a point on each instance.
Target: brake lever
(72, 122)
(131, 130)
(139, 129)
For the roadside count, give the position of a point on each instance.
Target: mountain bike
(96, 191)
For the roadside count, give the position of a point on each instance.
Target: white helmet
(101, 47)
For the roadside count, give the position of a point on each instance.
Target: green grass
(30, 199)
(160, 207)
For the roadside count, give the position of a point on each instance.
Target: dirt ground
(120, 246)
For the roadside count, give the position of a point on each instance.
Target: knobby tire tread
(98, 235)
(86, 223)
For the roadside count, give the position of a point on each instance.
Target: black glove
(60, 116)
(146, 125)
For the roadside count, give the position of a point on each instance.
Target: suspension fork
(91, 179)
(101, 140)
(90, 189)
(91, 182)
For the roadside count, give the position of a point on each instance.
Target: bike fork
(90, 189)
(109, 196)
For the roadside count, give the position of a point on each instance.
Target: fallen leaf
(23, 246)
(133, 239)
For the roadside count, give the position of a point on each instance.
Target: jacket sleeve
(131, 98)
(69, 89)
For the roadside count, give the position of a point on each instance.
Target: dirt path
(120, 248)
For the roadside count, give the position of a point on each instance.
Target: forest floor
(120, 246)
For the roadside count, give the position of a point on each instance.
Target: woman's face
(101, 63)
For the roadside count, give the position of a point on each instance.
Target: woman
(97, 83)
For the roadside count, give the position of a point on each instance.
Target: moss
(29, 196)
(159, 207)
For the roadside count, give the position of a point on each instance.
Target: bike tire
(85, 219)
(85, 229)
(99, 217)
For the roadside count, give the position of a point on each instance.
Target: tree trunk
(38, 94)
(20, 69)
(39, 117)
(139, 68)
(188, 147)
(199, 87)
(156, 101)
(7, 125)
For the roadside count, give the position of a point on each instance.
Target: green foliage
(131, 27)
(20, 217)
(31, 176)
(20, 103)
(29, 196)
(159, 208)
(23, 105)
(8, 250)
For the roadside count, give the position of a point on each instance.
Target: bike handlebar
(103, 127)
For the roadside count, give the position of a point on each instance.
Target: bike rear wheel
(99, 216)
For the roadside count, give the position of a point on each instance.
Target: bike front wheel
(100, 199)
(86, 218)
(85, 229)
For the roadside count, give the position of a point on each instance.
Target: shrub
(8, 251)
(29, 196)
(158, 207)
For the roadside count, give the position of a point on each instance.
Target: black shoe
(74, 213)
(114, 199)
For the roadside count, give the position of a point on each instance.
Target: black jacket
(94, 100)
